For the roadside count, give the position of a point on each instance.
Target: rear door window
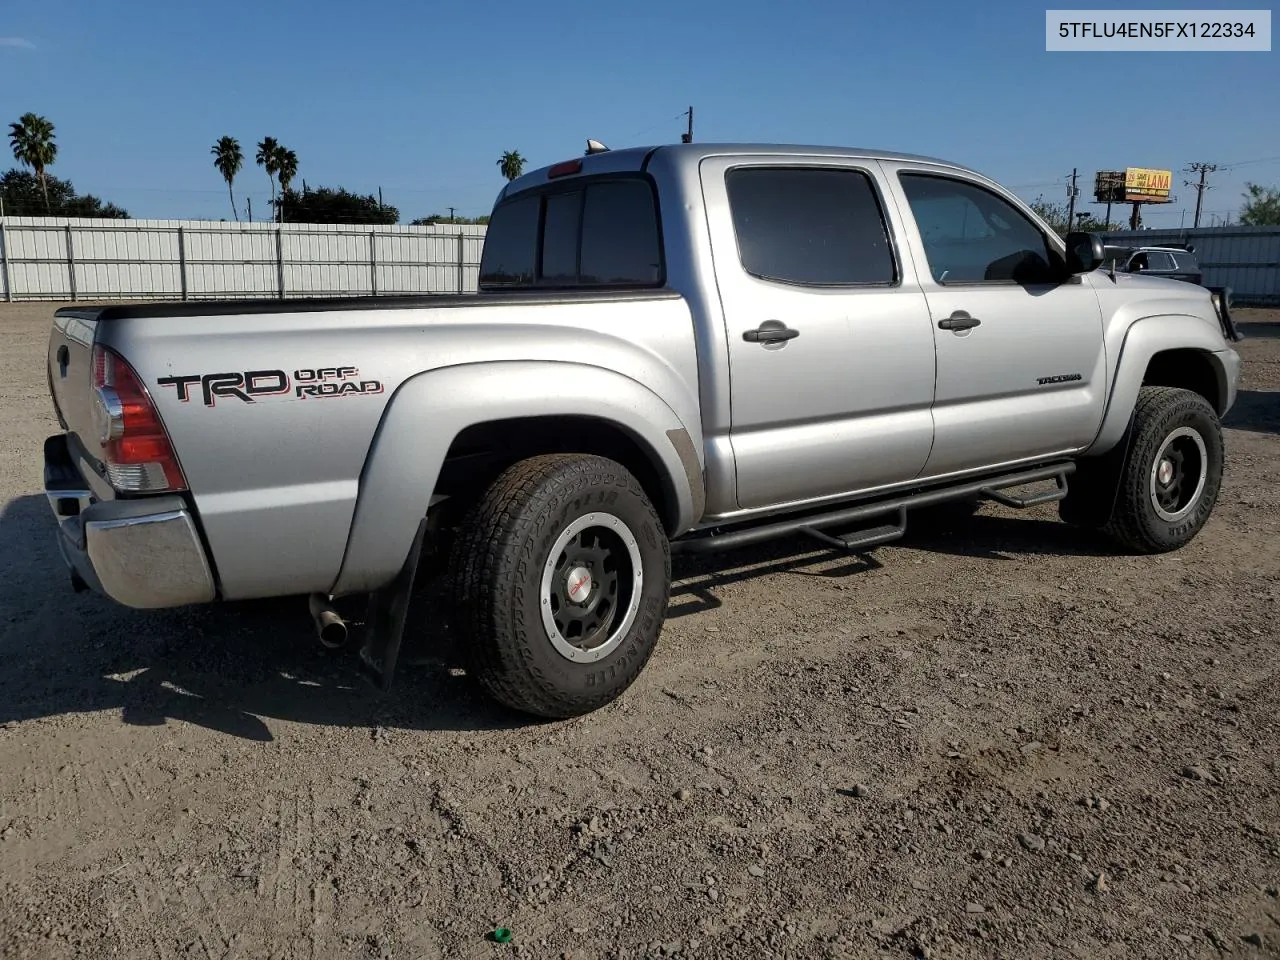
(812, 226)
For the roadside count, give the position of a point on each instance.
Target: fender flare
(1143, 339)
(431, 408)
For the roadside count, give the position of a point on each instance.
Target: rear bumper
(141, 553)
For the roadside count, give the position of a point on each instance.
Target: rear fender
(429, 410)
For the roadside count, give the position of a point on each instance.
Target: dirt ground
(997, 739)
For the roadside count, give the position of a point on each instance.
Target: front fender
(1142, 340)
(430, 409)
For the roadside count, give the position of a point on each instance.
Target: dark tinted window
(1159, 261)
(971, 235)
(598, 233)
(560, 238)
(511, 244)
(620, 235)
(819, 227)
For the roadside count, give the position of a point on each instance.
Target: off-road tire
(496, 576)
(1135, 523)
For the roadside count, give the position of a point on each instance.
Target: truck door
(1021, 366)
(830, 347)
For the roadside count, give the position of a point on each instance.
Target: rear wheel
(1172, 474)
(561, 578)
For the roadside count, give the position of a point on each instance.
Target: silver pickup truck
(680, 348)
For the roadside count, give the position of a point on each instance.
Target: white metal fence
(49, 258)
(52, 258)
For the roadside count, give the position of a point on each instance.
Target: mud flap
(387, 615)
(1101, 476)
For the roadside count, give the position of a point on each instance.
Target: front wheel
(1172, 474)
(561, 578)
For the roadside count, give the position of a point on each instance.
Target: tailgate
(71, 377)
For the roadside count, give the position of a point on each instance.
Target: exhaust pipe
(330, 627)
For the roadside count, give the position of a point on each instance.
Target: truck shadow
(944, 530)
(233, 667)
(1257, 411)
(1254, 330)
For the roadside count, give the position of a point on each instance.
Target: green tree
(33, 146)
(268, 157)
(335, 205)
(228, 158)
(1055, 214)
(286, 170)
(286, 167)
(511, 164)
(25, 195)
(1261, 207)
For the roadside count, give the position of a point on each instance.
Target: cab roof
(631, 159)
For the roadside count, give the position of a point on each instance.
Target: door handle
(959, 320)
(771, 331)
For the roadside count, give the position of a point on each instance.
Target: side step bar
(1059, 492)
(863, 539)
(987, 487)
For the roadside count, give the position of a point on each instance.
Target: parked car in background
(1177, 263)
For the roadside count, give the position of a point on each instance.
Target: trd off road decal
(253, 385)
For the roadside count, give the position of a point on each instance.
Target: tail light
(137, 451)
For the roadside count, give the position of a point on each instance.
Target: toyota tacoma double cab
(686, 347)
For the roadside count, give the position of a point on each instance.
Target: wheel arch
(1168, 351)
(462, 425)
(481, 451)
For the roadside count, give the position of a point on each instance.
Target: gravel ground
(996, 739)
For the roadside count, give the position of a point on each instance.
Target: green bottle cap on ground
(501, 935)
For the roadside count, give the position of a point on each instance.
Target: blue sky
(421, 98)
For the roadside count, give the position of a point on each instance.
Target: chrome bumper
(141, 553)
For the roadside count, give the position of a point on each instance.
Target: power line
(1204, 169)
(1246, 163)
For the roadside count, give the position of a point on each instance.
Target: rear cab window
(597, 232)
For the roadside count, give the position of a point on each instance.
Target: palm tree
(228, 158)
(269, 159)
(286, 170)
(32, 141)
(512, 164)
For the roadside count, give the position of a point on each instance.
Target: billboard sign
(1133, 185)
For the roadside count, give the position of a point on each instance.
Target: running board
(863, 539)
(1059, 492)
(987, 487)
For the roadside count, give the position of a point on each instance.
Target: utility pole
(1204, 169)
(687, 137)
(1071, 203)
(451, 214)
(249, 201)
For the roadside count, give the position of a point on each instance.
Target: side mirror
(1085, 252)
